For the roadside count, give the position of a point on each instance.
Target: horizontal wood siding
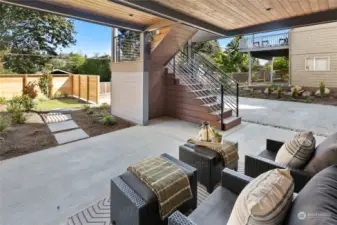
(318, 40)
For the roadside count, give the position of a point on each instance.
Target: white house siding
(127, 87)
(317, 40)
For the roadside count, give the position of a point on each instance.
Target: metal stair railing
(200, 78)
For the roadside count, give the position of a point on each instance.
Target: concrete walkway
(49, 186)
(321, 119)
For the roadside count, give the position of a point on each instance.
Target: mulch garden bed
(328, 100)
(92, 128)
(26, 138)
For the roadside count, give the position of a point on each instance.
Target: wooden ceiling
(219, 17)
(235, 14)
(108, 9)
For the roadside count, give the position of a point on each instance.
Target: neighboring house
(312, 53)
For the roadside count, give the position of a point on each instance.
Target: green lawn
(66, 103)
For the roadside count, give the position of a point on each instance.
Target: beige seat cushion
(297, 152)
(265, 200)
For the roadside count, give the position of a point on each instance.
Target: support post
(250, 69)
(222, 107)
(114, 34)
(271, 69)
(145, 57)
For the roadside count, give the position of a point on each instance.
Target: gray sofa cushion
(317, 201)
(324, 156)
(216, 209)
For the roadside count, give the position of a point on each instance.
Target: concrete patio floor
(321, 119)
(47, 187)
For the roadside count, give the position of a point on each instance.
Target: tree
(281, 63)
(74, 62)
(209, 48)
(97, 66)
(31, 35)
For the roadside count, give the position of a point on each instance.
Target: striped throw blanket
(227, 150)
(169, 183)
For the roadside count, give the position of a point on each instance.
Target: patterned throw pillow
(265, 200)
(296, 153)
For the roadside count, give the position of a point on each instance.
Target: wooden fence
(105, 88)
(85, 87)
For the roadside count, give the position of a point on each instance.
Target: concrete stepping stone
(66, 125)
(55, 117)
(69, 136)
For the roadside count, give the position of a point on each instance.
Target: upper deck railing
(264, 42)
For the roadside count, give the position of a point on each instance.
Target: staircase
(164, 45)
(195, 93)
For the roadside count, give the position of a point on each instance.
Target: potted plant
(217, 137)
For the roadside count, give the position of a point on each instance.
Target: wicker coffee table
(208, 163)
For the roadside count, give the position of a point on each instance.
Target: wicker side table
(208, 163)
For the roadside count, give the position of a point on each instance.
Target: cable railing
(268, 41)
(127, 49)
(202, 78)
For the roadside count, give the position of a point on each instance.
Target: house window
(319, 63)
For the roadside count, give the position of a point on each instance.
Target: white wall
(128, 84)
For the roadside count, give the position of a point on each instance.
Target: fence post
(79, 86)
(98, 87)
(70, 78)
(73, 84)
(88, 88)
(24, 81)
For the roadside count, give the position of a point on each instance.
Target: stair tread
(218, 112)
(207, 96)
(204, 89)
(230, 119)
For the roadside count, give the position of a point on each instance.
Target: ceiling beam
(299, 21)
(162, 11)
(74, 13)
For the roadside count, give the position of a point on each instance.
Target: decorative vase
(206, 132)
(217, 139)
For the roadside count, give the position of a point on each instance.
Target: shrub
(3, 100)
(4, 123)
(14, 104)
(24, 103)
(270, 89)
(66, 95)
(308, 99)
(322, 88)
(106, 119)
(18, 117)
(30, 90)
(279, 92)
(105, 106)
(58, 94)
(46, 84)
(86, 108)
(294, 94)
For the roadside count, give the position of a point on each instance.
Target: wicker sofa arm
(256, 165)
(177, 218)
(234, 181)
(273, 145)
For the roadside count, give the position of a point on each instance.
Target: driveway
(49, 186)
(321, 119)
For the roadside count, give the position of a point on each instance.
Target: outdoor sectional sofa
(317, 200)
(256, 165)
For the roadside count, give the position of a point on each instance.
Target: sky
(93, 38)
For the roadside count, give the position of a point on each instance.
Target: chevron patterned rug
(99, 213)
